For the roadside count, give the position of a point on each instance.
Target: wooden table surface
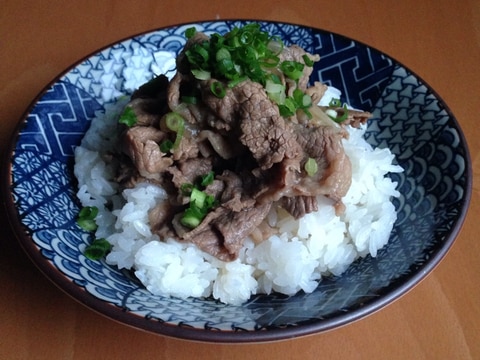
(438, 39)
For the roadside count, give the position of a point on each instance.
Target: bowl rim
(118, 314)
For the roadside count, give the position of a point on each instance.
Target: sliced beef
(149, 101)
(223, 231)
(288, 179)
(299, 206)
(141, 144)
(264, 131)
(221, 145)
(316, 91)
(187, 148)
(334, 175)
(161, 217)
(188, 171)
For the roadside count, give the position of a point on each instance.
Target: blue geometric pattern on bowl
(409, 119)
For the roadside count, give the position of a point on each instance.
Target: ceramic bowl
(411, 119)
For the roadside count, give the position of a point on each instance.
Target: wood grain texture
(439, 40)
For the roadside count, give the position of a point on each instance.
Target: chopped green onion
(207, 179)
(190, 32)
(87, 224)
(189, 99)
(292, 69)
(186, 189)
(275, 91)
(275, 45)
(166, 146)
(227, 68)
(200, 201)
(201, 74)
(176, 123)
(97, 249)
(210, 202)
(192, 217)
(246, 37)
(272, 87)
(270, 62)
(198, 54)
(88, 212)
(301, 99)
(309, 62)
(237, 80)
(200, 204)
(288, 108)
(311, 166)
(239, 53)
(298, 101)
(222, 54)
(218, 89)
(86, 218)
(128, 117)
(249, 53)
(198, 197)
(335, 103)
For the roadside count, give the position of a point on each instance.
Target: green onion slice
(190, 32)
(311, 166)
(86, 218)
(166, 146)
(186, 189)
(174, 121)
(201, 74)
(98, 249)
(218, 89)
(335, 103)
(207, 179)
(128, 117)
(306, 59)
(343, 117)
(192, 217)
(292, 69)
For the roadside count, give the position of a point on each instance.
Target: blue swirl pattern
(409, 119)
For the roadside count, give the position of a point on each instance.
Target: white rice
(305, 250)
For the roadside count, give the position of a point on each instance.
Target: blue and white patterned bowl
(412, 121)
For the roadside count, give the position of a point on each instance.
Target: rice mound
(304, 250)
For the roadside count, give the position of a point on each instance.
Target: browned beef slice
(149, 101)
(289, 179)
(140, 143)
(219, 144)
(154, 89)
(298, 206)
(188, 171)
(160, 219)
(264, 131)
(187, 148)
(334, 175)
(223, 232)
(224, 229)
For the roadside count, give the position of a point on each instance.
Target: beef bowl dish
(237, 181)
